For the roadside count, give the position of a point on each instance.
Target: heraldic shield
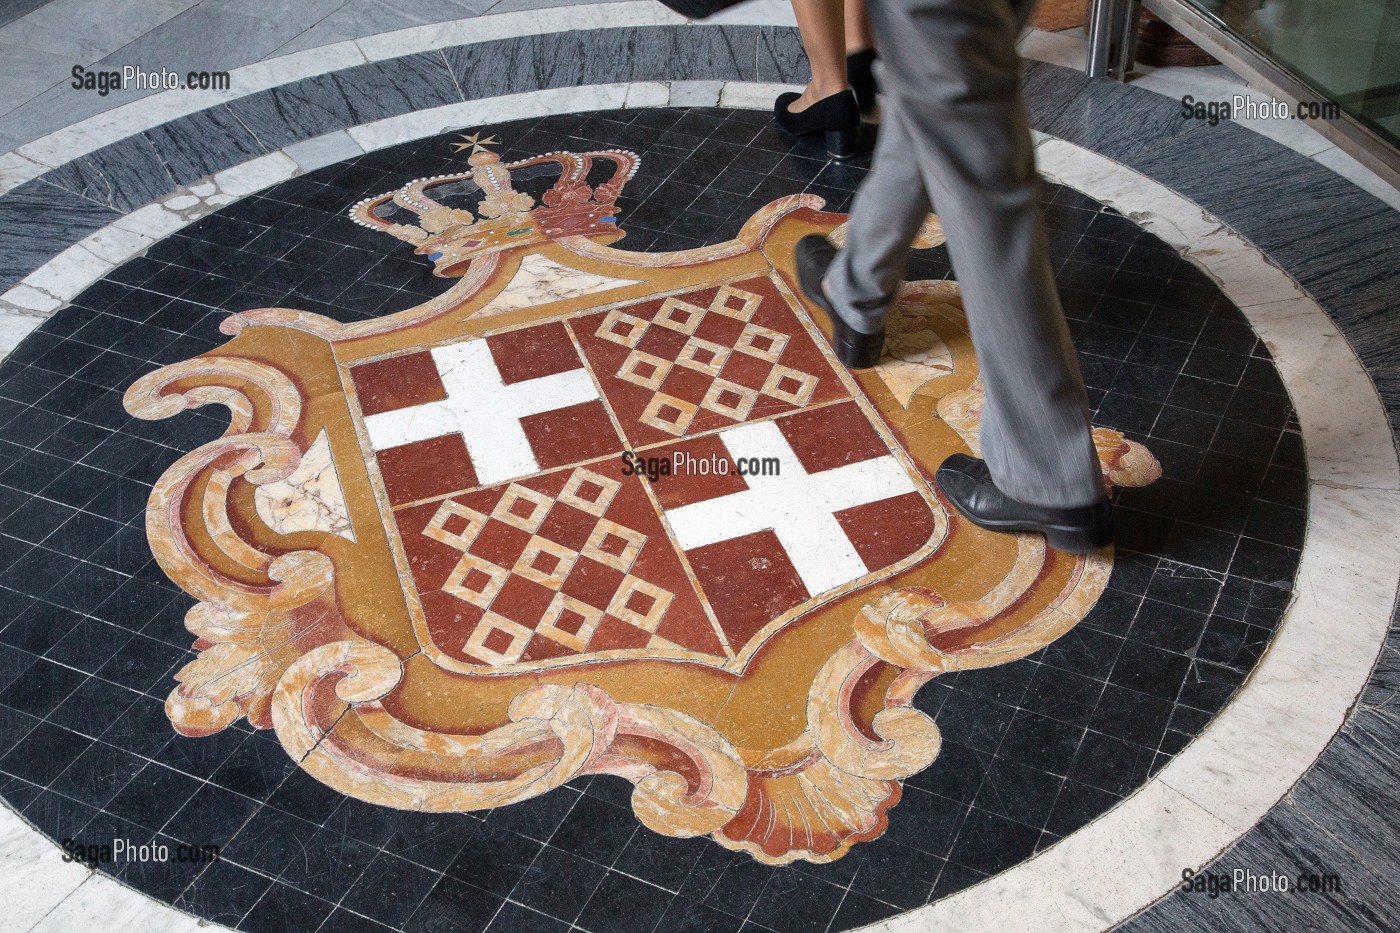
(593, 511)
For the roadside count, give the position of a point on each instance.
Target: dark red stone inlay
(398, 382)
(747, 369)
(623, 547)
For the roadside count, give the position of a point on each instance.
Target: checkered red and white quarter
(529, 539)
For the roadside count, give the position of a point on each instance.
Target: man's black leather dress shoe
(853, 348)
(838, 116)
(967, 483)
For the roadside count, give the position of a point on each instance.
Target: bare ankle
(815, 92)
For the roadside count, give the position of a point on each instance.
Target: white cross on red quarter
(482, 408)
(838, 507)
(481, 412)
(799, 507)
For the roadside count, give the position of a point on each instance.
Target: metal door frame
(1113, 45)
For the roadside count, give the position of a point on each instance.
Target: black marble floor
(1032, 750)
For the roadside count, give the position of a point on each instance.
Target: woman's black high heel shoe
(861, 78)
(837, 116)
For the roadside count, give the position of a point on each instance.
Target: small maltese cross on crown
(475, 143)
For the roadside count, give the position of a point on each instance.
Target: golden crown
(505, 218)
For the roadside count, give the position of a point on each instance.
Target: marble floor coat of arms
(596, 512)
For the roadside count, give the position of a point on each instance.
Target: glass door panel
(1349, 50)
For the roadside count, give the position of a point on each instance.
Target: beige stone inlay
(588, 491)
(661, 402)
(540, 280)
(703, 356)
(790, 385)
(562, 606)
(645, 617)
(512, 507)
(311, 499)
(644, 370)
(465, 534)
(480, 641)
(761, 342)
(545, 562)
(621, 557)
(736, 303)
(680, 316)
(914, 353)
(730, 399)
(622, 328)
(471, 570)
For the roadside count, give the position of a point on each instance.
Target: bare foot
(802, 103)
(811, 95)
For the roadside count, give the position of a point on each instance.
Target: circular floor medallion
(476, 638)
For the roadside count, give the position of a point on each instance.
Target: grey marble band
(94, 189)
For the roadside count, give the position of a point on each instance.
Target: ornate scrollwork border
(275, 645)
(258, 611)
(812, 801)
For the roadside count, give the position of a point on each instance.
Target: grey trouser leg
(954, 128)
